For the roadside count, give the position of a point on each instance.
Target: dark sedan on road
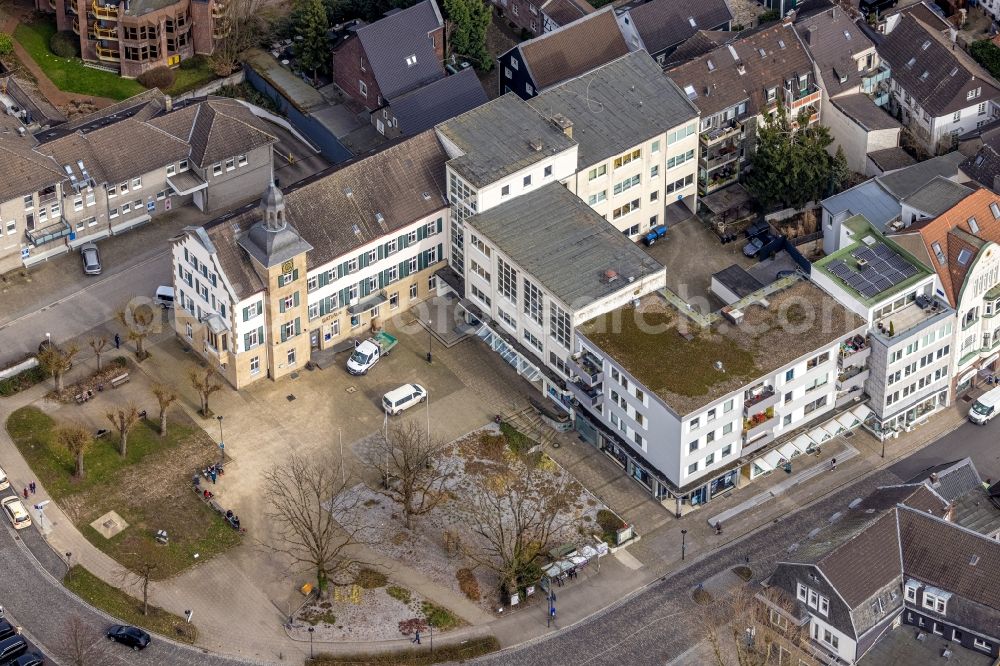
(134, 637)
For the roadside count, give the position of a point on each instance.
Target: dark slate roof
(984, 166)
(953, 479)
(935, 76)
(914, 495)
(833, 39)
(862, 110)
(555, 236)
(737, 280)
(905, 182)
(662, 24)
(974, 511)
(937, 196)
(720, 86)
(890, 159)
(389, 41)
(563, 12)
(436, 102)
(143, 106)
(573, 49)
(24, 170)
(496, 139)
(698, 44)
(630, 90)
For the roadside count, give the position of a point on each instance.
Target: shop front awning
(788, 450)
(834, 427)
(185, 182)
(967, 376)
(762, 465)
(216, 323)
(367, 304)
(848, 420)
(862, 412)
(803, 443)
(818, 435)
(773, 458)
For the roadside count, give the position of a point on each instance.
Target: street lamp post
(311, 630)
(222, 442)
(683, 543)
(430, 340)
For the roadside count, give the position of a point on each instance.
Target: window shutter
(422, 261)
(345, 295)
(283, 338)
(298, 327)
(246, 313)
(381, 251)
(295, 299)
(363, 291)
(281, 305)
(404, 269)
(281, 280)
(440, 251)
(440, 224)
(260, 334)
(295, 274)
(421, 232)
(322, 281)
(246, 341)
(185, 254)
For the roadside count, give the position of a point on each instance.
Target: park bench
(119, 380)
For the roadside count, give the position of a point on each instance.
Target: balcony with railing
(852, 379)
(106, 12)
(108, 54)
(853, 352)
(720, 155)
(51, 232)
(105, 32)
(759, 399)
(590, 396)
(870, 82)
(796, 99)
(587, 367)
(758, 423)
(730, 129)
(48, 196)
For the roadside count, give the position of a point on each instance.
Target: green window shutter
(246, 313)
(281, 305)
(260, 334)
(298, 326)
(344, 295)
(246, 341)
(363, 291)
(283, 338)
(381, 251)
(421, 232)
(295, 274)
(440, 224)
(295, 299)
(324, 278)
(281, 280)
(404, 269)
(440, 251)
(422, 261)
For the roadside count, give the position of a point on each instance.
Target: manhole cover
(290, 397)
(967, 398)
(351, 389)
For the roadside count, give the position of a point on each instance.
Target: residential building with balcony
(854, 84)
(960, 246)
(693, 405)
(938, 92)
(637, 143)
(903, 362)
(134, 36)
(257, 294)
(659, 27)
(735, 86)
(536, 268)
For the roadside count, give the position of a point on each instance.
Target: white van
(402, 398)
(164, 297)
(985, 408)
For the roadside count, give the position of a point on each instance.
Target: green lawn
(150, 489)
(189, 79)
(71, 75)
(110, 599)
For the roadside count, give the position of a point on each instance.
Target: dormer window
(936, 600)
(772, 93)
(411, 60)
(910, 590)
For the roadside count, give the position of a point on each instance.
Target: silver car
(91, 259)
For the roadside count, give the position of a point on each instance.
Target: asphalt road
(981, 443)
(34, 599)
(661, 622)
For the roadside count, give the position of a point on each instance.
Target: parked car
(164, 296)
(133, 637)
(370, 352)
(28, 659)
(758, 228)
(753, 246)
(91, 259)
(654, 234)
(6, 630)
(404, 397)
(985, 408)
(16, 513)
(4, 483)
(12, 648)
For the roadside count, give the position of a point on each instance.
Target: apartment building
(959, 245)
(658, 27)
(939, 92)
(535, 18)
(134, 36)
(693, 405)
(259, 293)
(123, 166)
(540, 265)
(734, 86)
(637, 143)
(903, 362)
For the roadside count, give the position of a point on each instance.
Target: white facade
(933, 129)
(977, 330)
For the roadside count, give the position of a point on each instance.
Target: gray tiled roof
(617, 106)
(234, 259)
(24, 171)
(937, 196)
(936, 78)
(143, 106)
(496, 139)
(389, 41)
(699, 44)
(436, 102)
(556, 237)
(665, 23)
(224, 128)
(862, 110)
(869, 199)
(953, 479)
(890, 159)
(984, 166)
(905, 182)
(131, 147)
(833, 39)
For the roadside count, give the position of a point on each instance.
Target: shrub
(370, 579)
(197, 62)
(22, 381)
(158, 77)
(6, 44)
(987, 54)
(398, 593)
(438, 617)
(65, 44)
(468, 583)
(768, 16)
(609, 520)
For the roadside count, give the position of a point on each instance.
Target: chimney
(809, 34)
(563, 123)
(536, 145)
(934, 478)
(168, 104)
(833, 12)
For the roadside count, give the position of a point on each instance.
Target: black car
(28, 659)
(11, 648)
(758, 228)
(134, 637)
(6, 630)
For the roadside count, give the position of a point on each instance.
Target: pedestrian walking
(26, 493)
(416, 638)
(118, 341)
(833, 464)
(718, 527)
(32, 487)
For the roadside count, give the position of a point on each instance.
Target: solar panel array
(882, 269)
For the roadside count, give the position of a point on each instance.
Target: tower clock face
(287, 266)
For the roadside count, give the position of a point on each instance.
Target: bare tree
(76, 439)
(139, 321)
(77, 642)
(57, 362)
(123, 419)
(518, 513)
(164, 398)
(408, 460)
(98, 344)
(316, 515)
(143, 560)
(750, 626)
(243, 25)
(204, 382)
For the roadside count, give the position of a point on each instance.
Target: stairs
(528, 421)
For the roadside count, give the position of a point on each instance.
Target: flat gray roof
(869, 199)
(617, 106)
(567, 247)
(906, 181)
(937, 196)
(500, 138)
